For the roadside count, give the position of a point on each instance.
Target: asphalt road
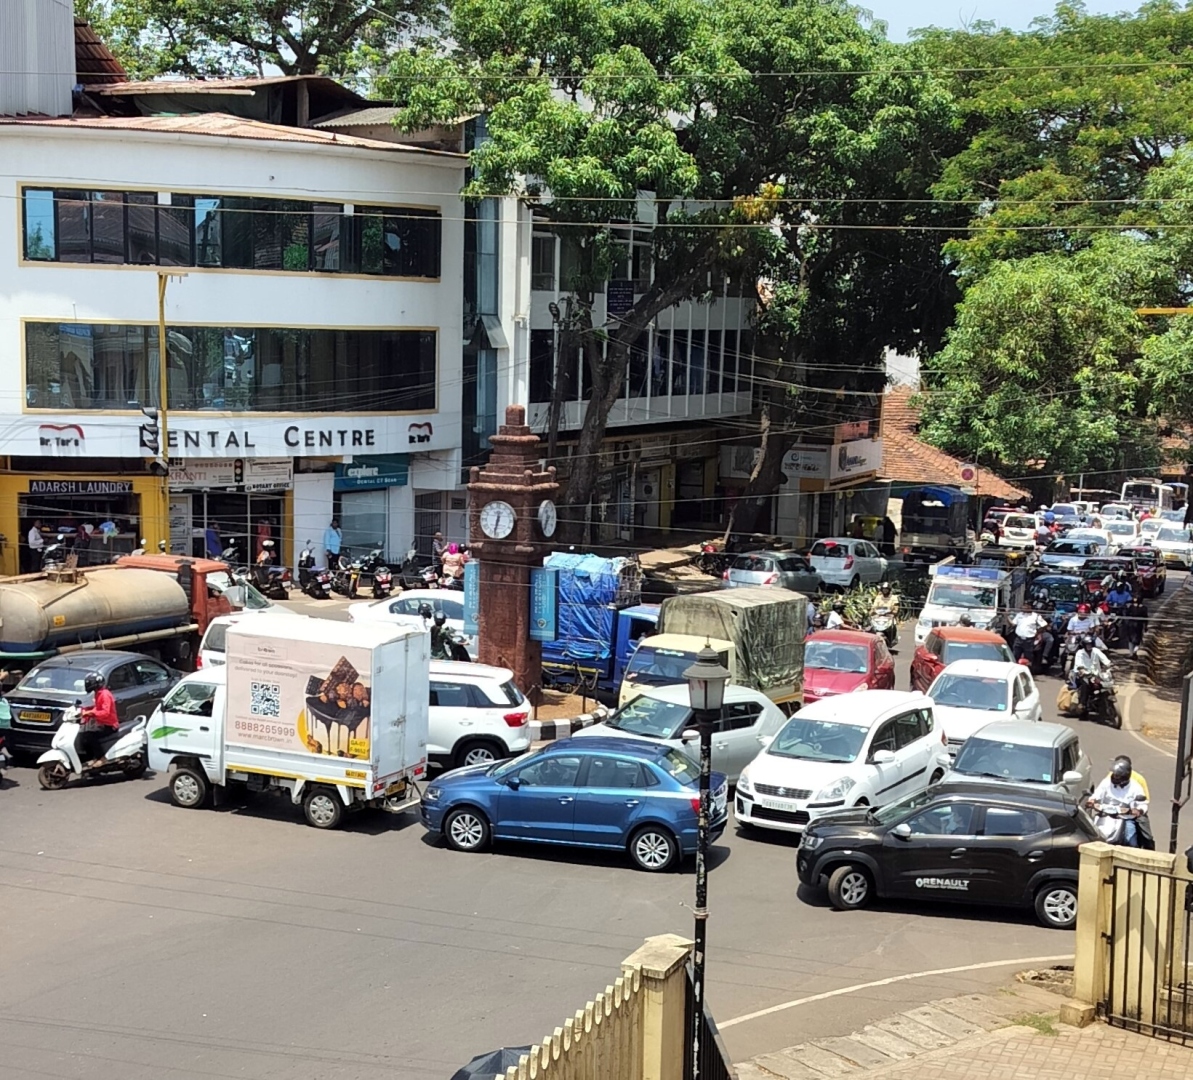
(144, 942)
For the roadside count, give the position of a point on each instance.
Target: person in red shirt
(103, 718)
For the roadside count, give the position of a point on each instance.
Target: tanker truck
(154, 604)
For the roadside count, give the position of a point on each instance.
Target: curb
(549, 730)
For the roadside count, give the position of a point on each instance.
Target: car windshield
(1173, 535)
(834, 656)
(976, 650)
(55, 677)
(1064, 510)
(1120, 528)
(651, 717)
(242, 596)
(970, 692)
(1090, 538)
(959, 594)
(899, 810)
(659, 667)
(818, 740)
(1068, 547)
(1006, 761)
(1141, 492)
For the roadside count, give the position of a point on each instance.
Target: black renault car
(138, 683)
(959, 843)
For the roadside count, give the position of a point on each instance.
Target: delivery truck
(757, 632)
(331, 715)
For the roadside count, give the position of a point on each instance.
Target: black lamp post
(706, 685)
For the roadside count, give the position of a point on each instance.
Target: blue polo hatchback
(622, 794)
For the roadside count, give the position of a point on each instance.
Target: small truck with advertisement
(332, 715)
(758, 632)
(986, 594)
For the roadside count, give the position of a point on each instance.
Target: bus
(1147, 493)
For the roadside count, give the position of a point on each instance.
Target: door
(1073, 759)
(884, 667)
(1029, 707)
(798, 575)
(126, 689)
(1011, 845)
(923, 669)
(188, 724)
(451, 717)
(735, 739)
(934, 860)
(886, 777)
(538, 802)
(913, 749)
(154, 680)
(609, 800)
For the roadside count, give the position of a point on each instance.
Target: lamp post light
(706, 688)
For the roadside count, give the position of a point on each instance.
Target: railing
(706, 1050)
(1148, 985)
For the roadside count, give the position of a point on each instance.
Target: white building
(313, 327)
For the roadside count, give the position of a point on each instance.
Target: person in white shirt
(1089, 662)
(1031, 637)
(1121, 788)
(836, 618)
(1083, 622)
(37, 544)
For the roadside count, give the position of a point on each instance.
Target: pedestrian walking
(333, 539)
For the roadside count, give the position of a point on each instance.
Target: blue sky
(901, 16)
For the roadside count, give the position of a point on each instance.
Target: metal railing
(1150, 984)
(704, 1047)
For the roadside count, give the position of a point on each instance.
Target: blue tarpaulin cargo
(590, 589)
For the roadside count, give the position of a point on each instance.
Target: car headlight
(432, 794)
(838, 789)
(743, 783)
(811, 843)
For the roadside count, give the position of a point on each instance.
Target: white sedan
(969, 694)
(1174, 544)
(404, 609)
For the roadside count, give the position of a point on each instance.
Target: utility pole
(562, 350)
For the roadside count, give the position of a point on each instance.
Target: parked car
(846, 563)
(842, 661)
(622, 794)
(1066, 514)
(664, 714)
(138, 683)
(1150, 570)
(215, 637)
(1019, 531)
(1067, 556)
(969, 694)
(782, 569)
(960, 843)
(849, 750)
(1149, 527)
(404, 610)
(1040, 756)
(477, 716)
(946, 644)
(1174, 545)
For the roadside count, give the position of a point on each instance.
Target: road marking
(1135, 689)
(1027, 961)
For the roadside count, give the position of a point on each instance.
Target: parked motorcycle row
(348, 576)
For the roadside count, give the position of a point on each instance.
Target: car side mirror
(882, 757)
(513, 783)
(902, 831)
(690, 735)
(1071, 777)
(944, 759)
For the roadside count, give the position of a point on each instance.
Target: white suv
(865, 749)
(477, 715)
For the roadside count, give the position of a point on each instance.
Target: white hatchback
(477, 715)
(864, 749)
(1019, 531)
(845, 562)
(969, 694)
(214, 644)
(404, 609)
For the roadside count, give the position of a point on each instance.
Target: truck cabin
(208, 583)
(935, 517)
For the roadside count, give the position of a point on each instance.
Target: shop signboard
(544, 592)
(373, 471)
(250, 474)
(619, 296)
(805, 463)
(472, 596)
(268, 474)
(856, 458)
(180, 524)
(80, 487)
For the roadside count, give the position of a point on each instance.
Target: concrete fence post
(662, 961)
(1092, 951)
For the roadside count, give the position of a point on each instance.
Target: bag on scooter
(1066, 701)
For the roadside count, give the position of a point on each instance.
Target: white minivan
(865, 749)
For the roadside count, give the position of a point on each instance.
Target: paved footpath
(1011, 1035)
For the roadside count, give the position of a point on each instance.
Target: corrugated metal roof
(215, 86)
(230, 127)
(95, 65)
(375, 114)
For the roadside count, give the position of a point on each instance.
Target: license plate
(398, 787)
(775, 804)
(35, 717)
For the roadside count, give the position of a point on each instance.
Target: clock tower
(511, 520)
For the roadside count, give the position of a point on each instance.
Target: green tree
(195, 38)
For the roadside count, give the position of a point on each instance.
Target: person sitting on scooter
(1121, 789)
(1089, 663)
(885, 601)
(1120, 593)
(836, 618)
(441, 637)
(453, 562)
(1031, 639)
(104, 721)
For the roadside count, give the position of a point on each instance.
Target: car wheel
(466, 830)
(477, 752)
(1056, 905)
(849, 888)
(862, 802)
(323, 808)
(937, 777)
(855, 583)
(653, 849)
(188, 788)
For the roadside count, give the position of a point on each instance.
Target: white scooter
(1110, 819)
(128, 755)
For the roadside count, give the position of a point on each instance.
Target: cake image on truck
(758, 632)
(334, 715)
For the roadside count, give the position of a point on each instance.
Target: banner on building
(544, 592)
(472, 596)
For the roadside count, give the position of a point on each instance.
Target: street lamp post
(706, 687)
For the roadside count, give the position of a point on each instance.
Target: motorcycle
(127, 753)
(345, 578)
(455, 647)
(313, 581)
(383, 582)
(273, 581)
(407, 573)
(885, 623)
(1110, 819)
(53, 556)
(1102, 705)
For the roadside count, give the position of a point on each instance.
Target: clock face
(547, 517)
(498, 519)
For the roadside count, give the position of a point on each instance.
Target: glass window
(606, 772)
(679, 362)
(885, 738)
(714, 361)
(970, 692)
(1004, 821)
(149, 672)
(818, 740)
(175, 232)
(640, 266)
(650, 717)
(729, 364)
(542, 364)
(639, 365)
(660, 384)
(74, 226)
(192, 698)
(740, 715)
(122, 677)
(908, 729)
(40, 231)
(555, 770)
(450, 695)
(948, 819)
(825, 655)
(542, 262)
(696, 363)
(208, 249)
(1006, 761)
(325, 241)
(141, 228)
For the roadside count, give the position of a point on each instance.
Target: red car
(1150, 571)
(945, 644)
(838, 661)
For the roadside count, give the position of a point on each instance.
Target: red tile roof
(221, 125)
(95, 66)
(907, 459)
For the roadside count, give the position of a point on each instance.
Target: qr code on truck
(266, 699)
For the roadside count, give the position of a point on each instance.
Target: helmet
(93, 682)
(965, 620)
(426, 611)
(440, 618)
(161, 545)
(1087, 642)
(1120, 771)
(1083, 609)
(885, 588)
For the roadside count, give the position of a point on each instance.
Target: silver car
(1023, 753)
(780, 569)
(846, 563)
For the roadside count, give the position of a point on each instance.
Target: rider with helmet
(1124, 787)
(885, 601)
(441, 637)
(836, 618)
(1089, 663)
(101, 714)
